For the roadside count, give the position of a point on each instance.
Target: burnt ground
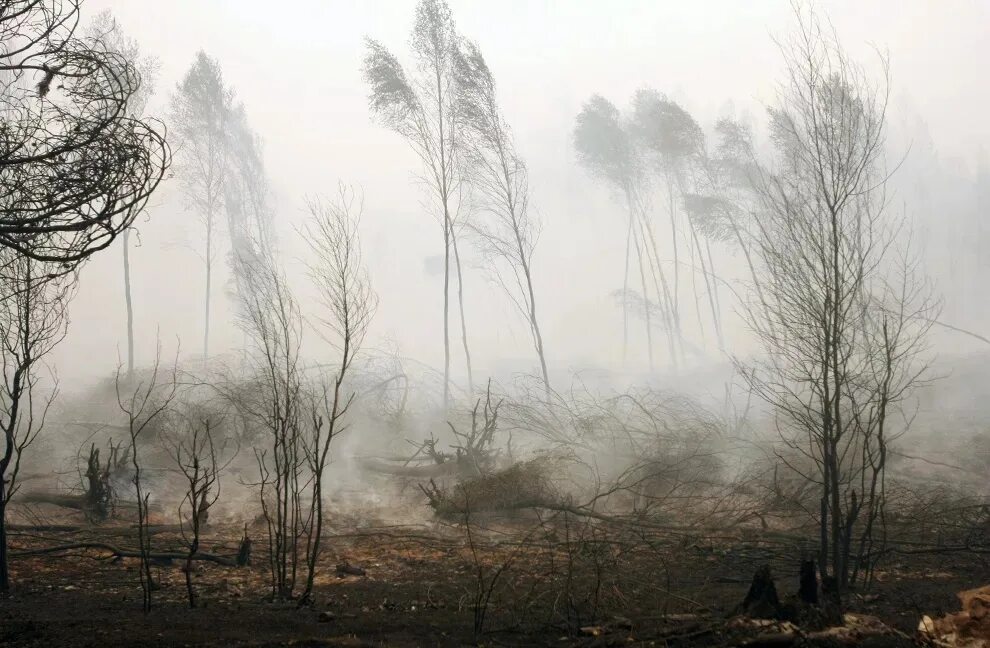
(420, 587)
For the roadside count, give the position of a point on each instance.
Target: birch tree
(201, 110)
(607, 150)
(675, 144)
(499, 176)
(107, 30)
(423, 110)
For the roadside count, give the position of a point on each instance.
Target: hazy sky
(296, 66)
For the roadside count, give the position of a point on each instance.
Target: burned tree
(33, 320)
(76, 167)
(349, 304)
(270, 318)
(845, 317)
(499, 176)
(198, 458)
(424, 111)
(142, 402)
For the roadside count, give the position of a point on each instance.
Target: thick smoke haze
(297, 70)
(515, 322)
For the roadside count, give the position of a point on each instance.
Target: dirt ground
(420, 588)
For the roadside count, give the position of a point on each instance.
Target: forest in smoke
(432, 323)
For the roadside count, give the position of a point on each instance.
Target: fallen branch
(65, 500)
(125, 553)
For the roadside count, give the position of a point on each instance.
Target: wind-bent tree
(723, 204)
(107, 30)
(606, 149)
(202, 108)
(76, 167)
(499, 175)
(424, 111)
(845, 315)
(33, 320)
(247, 199)
(675, 144)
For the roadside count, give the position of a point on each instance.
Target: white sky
(296, 66)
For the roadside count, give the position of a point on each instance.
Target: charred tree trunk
(761, 600)
(4, 567)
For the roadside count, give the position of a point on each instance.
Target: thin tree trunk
(646, 302)
(535, 325)
(446, 312)
(752, 271)
(673, 239)
(4, 565)
(662, 289)
(209, 280)
(706, 270)
(460, 302)
(447, 236)
(127, 300)
(717, 306)
(694, 282)
(625, 286)
(193, 549)
(144, 541)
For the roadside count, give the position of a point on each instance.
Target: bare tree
(106, 30)
(201, 112)
(499, 175)
(270, 318)
(142, 402)
(350, 303)
(846, 315)
(33, 320)
(76, 167)
(424, 111)
(197, 457)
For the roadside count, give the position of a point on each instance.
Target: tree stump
(761, 600)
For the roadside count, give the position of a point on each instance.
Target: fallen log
(447, 469)
(65, 500)
(46, 528)
(125, 553)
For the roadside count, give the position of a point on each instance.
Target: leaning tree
(76, 167)
(608, 150)
(674, 143)
(423, 109)
(499, 177)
